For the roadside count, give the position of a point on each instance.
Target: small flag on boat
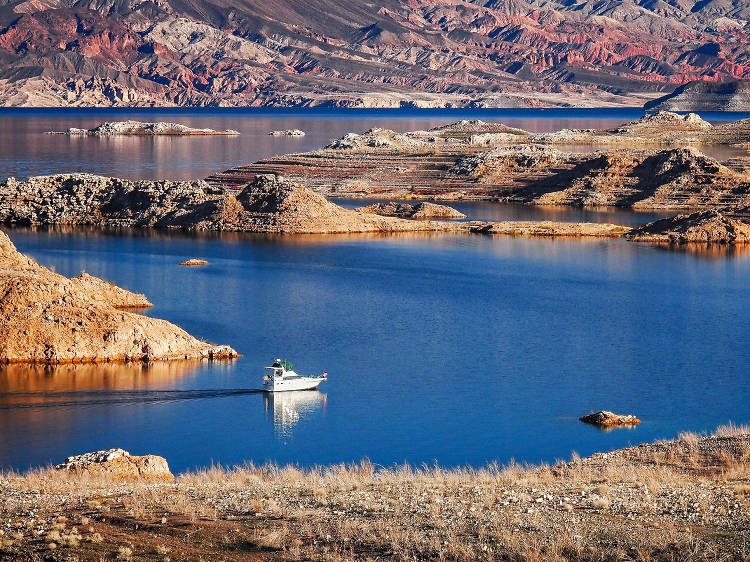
(325, 374)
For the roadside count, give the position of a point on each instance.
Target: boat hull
(302, 383)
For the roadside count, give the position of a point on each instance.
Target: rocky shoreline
(48, 318)
(670, 500)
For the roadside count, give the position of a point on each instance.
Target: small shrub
(601, 503)
(72, 540)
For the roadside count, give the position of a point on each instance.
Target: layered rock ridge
(452, 165)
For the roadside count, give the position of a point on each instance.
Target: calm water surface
(26, 149)
(456, 349)
(460, 349)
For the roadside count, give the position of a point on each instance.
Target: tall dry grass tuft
(731, 430)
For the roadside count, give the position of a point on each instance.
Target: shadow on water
(93, 398)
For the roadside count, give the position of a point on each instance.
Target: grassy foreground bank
(687, 499)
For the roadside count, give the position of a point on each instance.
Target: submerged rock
(605, 418)
(120, 464)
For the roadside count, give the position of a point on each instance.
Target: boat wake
(113, 397)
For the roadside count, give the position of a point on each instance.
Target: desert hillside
(384, 54)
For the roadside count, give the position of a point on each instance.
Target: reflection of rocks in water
(288, 408)
(707, 251)
(15, 378)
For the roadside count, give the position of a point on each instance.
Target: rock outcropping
(424, 210)
(727, 226)
(678, 178)
(287, 133)
(104, 292)
(119, 464)
(268, 204)
(48, 318)
(608, 419)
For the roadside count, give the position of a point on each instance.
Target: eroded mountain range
(358, 53)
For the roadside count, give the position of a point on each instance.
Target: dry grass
(731, 430)
(681, 500)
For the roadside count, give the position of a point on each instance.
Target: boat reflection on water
(288, 408)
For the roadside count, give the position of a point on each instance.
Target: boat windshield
(286, 365)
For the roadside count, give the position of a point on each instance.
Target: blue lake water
(455, 349)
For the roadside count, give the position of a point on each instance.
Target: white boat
(282, 377)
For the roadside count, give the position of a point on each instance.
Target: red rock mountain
(364, 53)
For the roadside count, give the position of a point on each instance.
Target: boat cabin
(281, 370)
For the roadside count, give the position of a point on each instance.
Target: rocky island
(607, 419)
(641, 165)
(48, 318)
(139, 129)
(287, 133)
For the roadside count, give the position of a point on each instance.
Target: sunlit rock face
(48, 318)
